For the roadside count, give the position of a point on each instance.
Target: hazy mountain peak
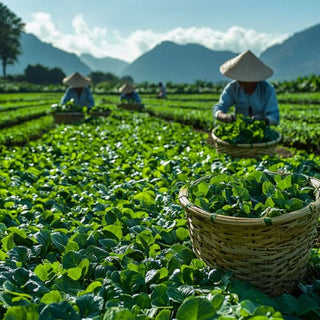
(298, 55)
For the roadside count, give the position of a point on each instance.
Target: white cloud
(101, 43)
(43, 27)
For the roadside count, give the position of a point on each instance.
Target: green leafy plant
(245, 130)
(254, 195)
(69, 106)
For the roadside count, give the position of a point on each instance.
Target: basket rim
(311, 208)
(247, 145)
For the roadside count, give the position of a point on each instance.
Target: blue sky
(125, 29)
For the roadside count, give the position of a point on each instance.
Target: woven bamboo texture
(271, 256)
(131, 106)
(245, 150)
(68, 117)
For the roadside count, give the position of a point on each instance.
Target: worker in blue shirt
(129, 94)
(249, 93)
(162, 94)
(78, 91)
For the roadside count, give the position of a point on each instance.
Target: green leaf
(66, 284)
(93, 286)
(132, 281)
(142, 299)
(117, 313)
(8, 242)
(201, 189)
(288, 304)
(241, 192)
(180, 293)
(60, 240)
(285, 183)
(77, 272)
(71, 259)
(164, 315)
(22, 313)
(196, 308)
(62, 310)
(294, 204)
(42, 271)
(115, 230)
(21, 275)
(146, 197)
(248, 308)
(182, 233)
(53, 296)
(90, 305)
(306, 304)
(159, 295)
(268, 188)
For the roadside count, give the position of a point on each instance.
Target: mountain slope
(297, 56)
(103, 64)
(169, 61)
(35, 51)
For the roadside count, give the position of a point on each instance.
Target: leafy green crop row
(22, 114)
(15, 106)
(29, 130)
(25, 98)
(91, 227)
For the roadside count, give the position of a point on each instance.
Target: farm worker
(129, 94)
(78, 90)
(249, 93)
(163, 91)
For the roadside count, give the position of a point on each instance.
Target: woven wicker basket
(131, 106)
(68, 117)
(271, 254)
(246, 150)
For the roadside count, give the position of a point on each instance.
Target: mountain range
(299, 55)
(169, 61)
(35, 52)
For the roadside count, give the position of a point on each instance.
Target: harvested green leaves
(245, 130)
(253, 195)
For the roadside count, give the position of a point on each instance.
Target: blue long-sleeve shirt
(85, 99)
(262, 102)
(131, 97)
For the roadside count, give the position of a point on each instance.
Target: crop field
(90, 222)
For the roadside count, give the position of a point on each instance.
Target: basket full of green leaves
(260, 225)
(68, 112)
(245, 137)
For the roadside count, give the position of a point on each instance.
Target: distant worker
(249, 93)
(78, 90)
(163, 91)
(129, 94)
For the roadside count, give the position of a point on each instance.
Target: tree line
(39, 74)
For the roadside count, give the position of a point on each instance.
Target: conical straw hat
(76, 80)
(127, 88)
(246, 67)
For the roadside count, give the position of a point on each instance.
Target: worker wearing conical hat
(129, 94)
(78, 90)
(249, 92)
